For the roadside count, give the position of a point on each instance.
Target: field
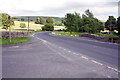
(32, 26)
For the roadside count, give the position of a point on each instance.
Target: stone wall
(100, 38)
(13, 34)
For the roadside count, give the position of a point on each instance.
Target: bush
(48, 27)
(22, 25)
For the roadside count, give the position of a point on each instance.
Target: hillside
(33, 18)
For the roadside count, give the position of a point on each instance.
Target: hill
(33, 18)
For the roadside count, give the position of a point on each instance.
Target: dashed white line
(74, 53)
(113, 68)
(69, 51)
(97, 62)
(84, 57)
(109, 76)
(60, 47)
(64, 49)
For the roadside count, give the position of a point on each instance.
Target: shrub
(48, 27)
(22, 25)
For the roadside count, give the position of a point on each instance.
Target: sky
(59, 8)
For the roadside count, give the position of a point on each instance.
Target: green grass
(67, 34)
(110, 36)
(76, 34)
(5, 41)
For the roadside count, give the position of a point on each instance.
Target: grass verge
(110, 36)
(67, 34)
(5, 41)
(76, 34)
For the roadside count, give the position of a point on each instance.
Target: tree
(72, 22)
(50, 20)
(22, 19)
(22, 25)
(90, 23)
(58, 23)
(111, 24)
(77, 21)
(6, 20)
(89, 14)
(40, 20)
(48, 27)
(118, 25)
(37, 21)
(68, 22)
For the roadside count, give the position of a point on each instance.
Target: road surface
(50, 56)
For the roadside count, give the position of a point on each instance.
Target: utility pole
(28, 24)
(9, 28)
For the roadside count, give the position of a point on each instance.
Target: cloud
(100, 8)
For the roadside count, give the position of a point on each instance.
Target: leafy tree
(69, 22)
(22, 19)
(72, 22)
(118, 25)
(48, 27)
(77, 21)
(50, 20)
(111, 24)
(89, 14)
(37, 21)
(40, 21)
(58, 23)
(22, 25)
(6, 20)
(88, 23)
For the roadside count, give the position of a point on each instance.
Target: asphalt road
(50, 56)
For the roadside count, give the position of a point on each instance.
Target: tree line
(88, 23)
(72, 21)
(43, 21)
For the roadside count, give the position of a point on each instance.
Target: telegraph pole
(9, 29)
(28, 24)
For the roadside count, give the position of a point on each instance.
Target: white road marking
(69, 51)
(97, 62)
(60, 47)
(64, 49)
(74, 53)
(113, 69)
(109, 76)
(84, 57)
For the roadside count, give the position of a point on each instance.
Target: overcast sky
(100, 8)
